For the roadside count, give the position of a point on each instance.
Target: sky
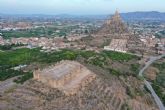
(79, 7)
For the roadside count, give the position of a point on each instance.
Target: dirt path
(4, 85)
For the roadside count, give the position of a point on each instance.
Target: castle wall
(68, 76)
(57, 82)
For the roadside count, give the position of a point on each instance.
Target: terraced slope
(104, 93)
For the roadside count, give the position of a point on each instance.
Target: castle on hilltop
(113, 30)
(115, 25)
(67, 76)
(114, 35)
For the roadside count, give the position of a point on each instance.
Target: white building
(118, 45)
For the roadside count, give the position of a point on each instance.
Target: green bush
(24, 78)
(159, 91)
(117, 56)
(160, 66)
(114, 72)
(9, 73)
(135, 68)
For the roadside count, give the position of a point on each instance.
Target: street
(148, 85)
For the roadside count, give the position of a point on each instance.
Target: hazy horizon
(78, 7)
(69, 14)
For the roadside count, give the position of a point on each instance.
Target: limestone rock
(114, 25)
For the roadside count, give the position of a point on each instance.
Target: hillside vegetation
(13, 58)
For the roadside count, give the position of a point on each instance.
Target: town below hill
(80, 63)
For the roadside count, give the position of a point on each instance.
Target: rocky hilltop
(106, 92)
(114, 25)
(113, 28)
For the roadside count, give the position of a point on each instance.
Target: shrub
(24, 78)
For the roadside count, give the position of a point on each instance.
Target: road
(148, 85)
(5, 85)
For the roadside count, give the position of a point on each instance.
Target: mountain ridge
(138, 15)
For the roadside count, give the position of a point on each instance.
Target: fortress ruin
(67, 76)
(119, 45)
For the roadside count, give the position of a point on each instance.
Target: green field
(13, 58)
(117, 56)
(9, 47)
(36, 32)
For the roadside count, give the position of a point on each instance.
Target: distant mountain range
(151, 15)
